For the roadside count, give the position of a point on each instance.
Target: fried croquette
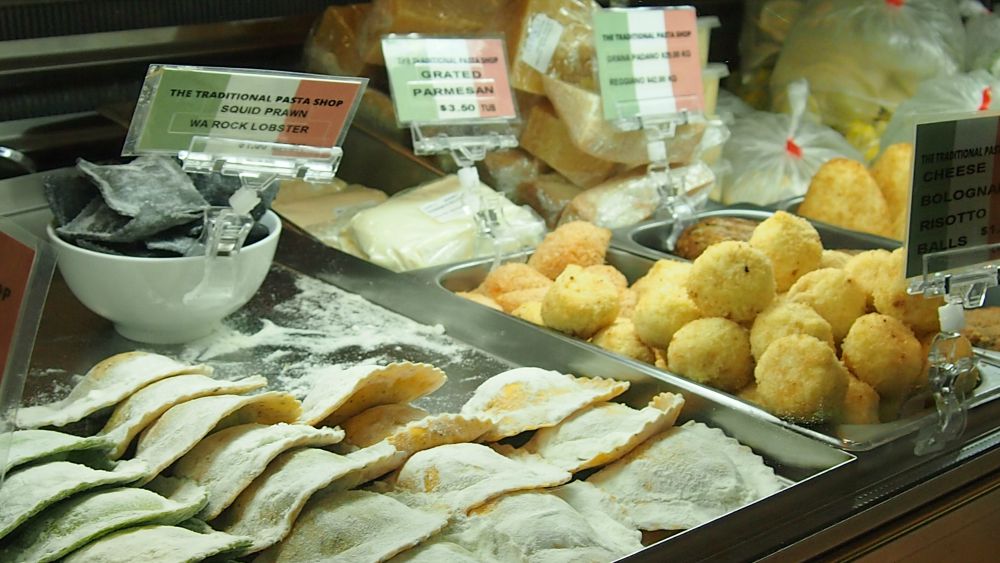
(861, 403)
(576, 242)
(663, 274)
(660, 313)
(785, 318)
(580, 303)
(531, 312)
(843, 193)
(732, 280)
(891, 173)
(661, 358)
(512, 277)
(713, 351)
(884, 353)
(916, 311)
(610, 273)
(834, 295)
(630, 298)
(833, 259)
(479, 298)
(514, 299)
(621, 338)
(800, 378)
(792, 244)
(872, 269)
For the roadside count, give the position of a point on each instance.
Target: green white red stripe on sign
(180, 103)
(442, 79)
(648, 61)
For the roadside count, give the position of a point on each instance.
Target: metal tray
(471, 345)
(649, 238)
(852, 437)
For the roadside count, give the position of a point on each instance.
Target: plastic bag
(765, 27)
(429, 225)
(976, 91)
(863, 58)
(982, 43)
(772, 157)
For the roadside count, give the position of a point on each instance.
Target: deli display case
(328, 311)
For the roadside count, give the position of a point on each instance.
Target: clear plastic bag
(765, 27)
(863, 58)
(771, 157)
(982, 43)
(976, 91)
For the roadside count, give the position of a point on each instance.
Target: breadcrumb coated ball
(916, 311)
(531, 312)
(480, 298)
(661, 312)
(800, 378)
(833, 259)
(664, 274)
(861, 403)
(580, 303)
(834, 295)
(630, 298)
(610, 273)
(620, 338)
(576, 242)
(712, 351)
(784, 318)
(512, 277)
(514, 299)
(732, 280)
(872, 269)
(792, 244)
(884, 353)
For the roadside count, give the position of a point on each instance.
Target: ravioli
(106, 384)
(74, 522)
(603, 433)
(227, 461)
(33, 445)
(184, 425)
(266, 510)
(340, 394)
(602, 512)
(685, 477)
(378, 423)
(539, 527)
(349, 526)
(530, 398)
(435, 552)
(148, 403)
(158, 543)
(28, 491)
(459, 477)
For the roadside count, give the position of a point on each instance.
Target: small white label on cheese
(447, 208)
(539, 45)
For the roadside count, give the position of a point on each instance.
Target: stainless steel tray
(471, 345)
(468, 275)
(649, 238)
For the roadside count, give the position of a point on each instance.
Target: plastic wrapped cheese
(506, 170)
(583, 116)
(548, 194)
(548, 138)
(429, 225)
(550, 37)
(440, 17)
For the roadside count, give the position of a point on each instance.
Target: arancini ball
(884, 353)
(580, 303)
(800, 378)
(659, 313)
(712, 351)
(834, 295)
(785, 318)
(509, 277)
(732, 280)
(576, 242)
(620, 338)
(792, 244)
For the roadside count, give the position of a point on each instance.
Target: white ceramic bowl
(150, 299)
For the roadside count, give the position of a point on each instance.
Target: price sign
(955, 197)
(648, 62)
(18, 259)
(180, 103)
(448, 79)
